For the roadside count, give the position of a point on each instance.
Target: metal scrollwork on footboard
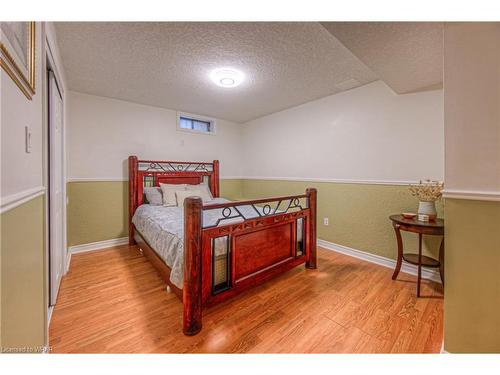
(245, 210)
(173, 167)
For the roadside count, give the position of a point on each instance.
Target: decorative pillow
(168, 191)
(205, 192)
(154, 195)
(183, 194)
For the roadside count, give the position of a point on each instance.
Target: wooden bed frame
(273, 241)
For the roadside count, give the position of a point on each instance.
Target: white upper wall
(365, 134)
(472, 108)
(103, 132)
(368, 133)
(21, 171)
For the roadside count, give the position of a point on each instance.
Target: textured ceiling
(168, 64)
(407, 56)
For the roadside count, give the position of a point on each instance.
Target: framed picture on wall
(17, 54)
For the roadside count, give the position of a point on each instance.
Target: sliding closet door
(56, 198)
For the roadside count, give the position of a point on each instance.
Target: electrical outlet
(325, 221)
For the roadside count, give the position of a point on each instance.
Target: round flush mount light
(226, 77)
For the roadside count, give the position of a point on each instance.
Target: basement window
(195, 124)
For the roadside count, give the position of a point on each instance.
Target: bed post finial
(312, 204)
(132, 195)
(192, 265)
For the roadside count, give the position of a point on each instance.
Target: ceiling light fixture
(227, 77)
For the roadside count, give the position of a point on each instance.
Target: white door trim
(56, 179)
(49, 62)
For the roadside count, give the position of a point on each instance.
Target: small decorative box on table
(435, 228)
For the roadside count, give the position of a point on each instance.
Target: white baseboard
(372, 258)
(429, 274)
(68, 260)
(50, 310)
(98, 245)
(442, 351)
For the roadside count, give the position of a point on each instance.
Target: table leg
(400, 251)
(419, 278)
(441, 261)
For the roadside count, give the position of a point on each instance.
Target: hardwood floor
(113, 301)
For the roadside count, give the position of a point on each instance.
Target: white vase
(427, 208)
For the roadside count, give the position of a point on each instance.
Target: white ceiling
(407, 56)
(167, 64)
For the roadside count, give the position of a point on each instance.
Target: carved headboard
(144, 173)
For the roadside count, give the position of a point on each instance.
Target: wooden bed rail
(258, 248)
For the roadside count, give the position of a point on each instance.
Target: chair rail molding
(125, 179)
(478, 195)
(332, 180)
(268, 178)
(14, 200)
(96, 179)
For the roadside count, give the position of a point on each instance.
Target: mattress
(163, 229)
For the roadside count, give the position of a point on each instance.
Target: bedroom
(301, 140)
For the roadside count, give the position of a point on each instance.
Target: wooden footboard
(262, 238)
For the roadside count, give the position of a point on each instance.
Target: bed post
(132, 196)
(312, 203)
(192, 265)
(215, 179)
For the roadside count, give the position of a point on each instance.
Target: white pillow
(168, 191)
(205, 192)
(181, 195)
(154, 195)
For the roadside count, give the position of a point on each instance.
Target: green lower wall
(472, 277)
(23, 310)
(98, 210)
(358, 213)
(231, 189)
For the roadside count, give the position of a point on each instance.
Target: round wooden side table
(434, 228)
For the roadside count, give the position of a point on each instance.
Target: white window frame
(213, 125)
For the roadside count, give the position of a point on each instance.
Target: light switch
(28, 139)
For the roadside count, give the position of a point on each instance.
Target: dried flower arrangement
(427, 190)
